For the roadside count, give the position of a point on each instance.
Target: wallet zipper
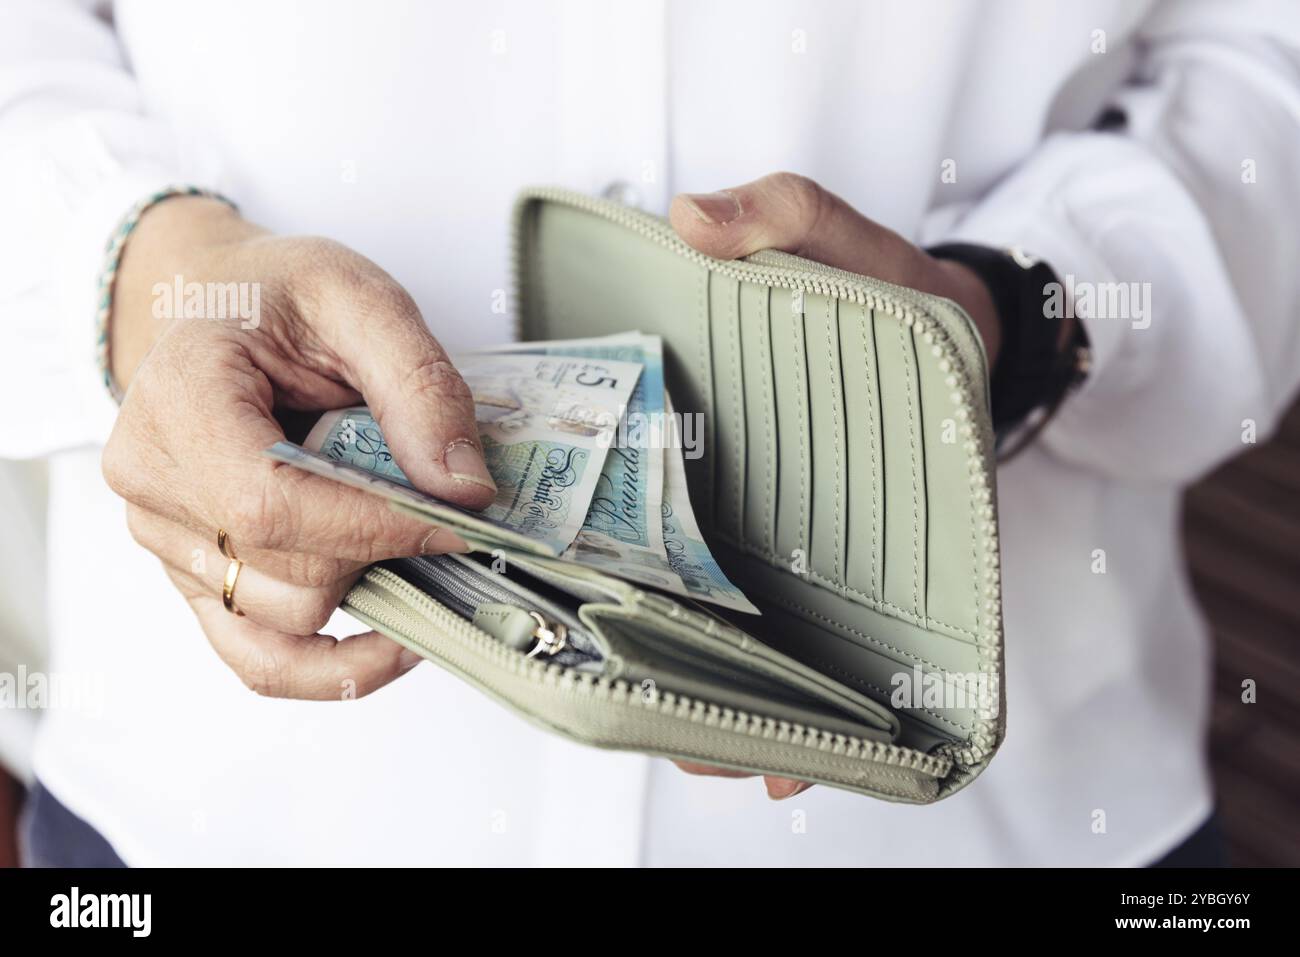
(775, 268)
(413, 615)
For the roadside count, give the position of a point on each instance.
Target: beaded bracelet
(113, 258)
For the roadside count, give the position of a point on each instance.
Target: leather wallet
(846, 486)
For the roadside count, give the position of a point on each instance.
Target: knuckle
(386, 296)
(803, 196)
(319, 270)
(119, 464)
(437, 377)
(371, 535)
(393, 537)
(317, 259)
(262, 518)
(794, 185)
(364, 285)
(313, 571)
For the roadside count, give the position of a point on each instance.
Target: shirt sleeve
(1177, 240)
(81, 151)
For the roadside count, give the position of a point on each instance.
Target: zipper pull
(520, 628)
(551, 638)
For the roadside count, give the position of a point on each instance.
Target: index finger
(274, 506)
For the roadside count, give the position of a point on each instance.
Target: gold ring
(223, 545)
(228, 586)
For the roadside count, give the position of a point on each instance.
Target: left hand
(794, 214)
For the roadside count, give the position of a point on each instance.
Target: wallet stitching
(765, 361)
(876, 604)
(801, 412)
(909, 617)
(871, 432)
(981, 652)
(974, 553)
(974, 567)
(908, 362)
(737, 389)
(836, 402)
(702, 325)
(831, 666)
(791, 603)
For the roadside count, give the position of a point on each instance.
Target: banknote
(582, 396)
(624, 512)
(539, 432)
(634, 528)
(546, 425)
(688, 556)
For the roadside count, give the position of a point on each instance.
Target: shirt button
(621, 191)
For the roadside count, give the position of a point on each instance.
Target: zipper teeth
(913, 309)
(452, 587)
(616, 691)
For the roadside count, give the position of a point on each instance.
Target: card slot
(794, 466)
(762, 455)
(771, 685)
(829, 505)
(904, 565)
(826, 646)
(728, 424)
(950, 507)
(865, 538)
(871, 650)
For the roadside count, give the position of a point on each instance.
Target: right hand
(334, 330)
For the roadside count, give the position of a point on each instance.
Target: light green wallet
(846, 486)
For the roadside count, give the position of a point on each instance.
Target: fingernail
(464, 462)
(716, 209)
(407, 660)
(785, 788)
(439, 541)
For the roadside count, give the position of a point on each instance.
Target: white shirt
(404, 130)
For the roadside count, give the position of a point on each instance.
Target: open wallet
(846, 486)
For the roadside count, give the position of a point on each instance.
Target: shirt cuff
(1115, 223)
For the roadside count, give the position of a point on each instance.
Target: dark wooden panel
(1242, 529)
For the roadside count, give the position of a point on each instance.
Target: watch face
(1024, 259)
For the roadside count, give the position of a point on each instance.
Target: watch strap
(1033, 371)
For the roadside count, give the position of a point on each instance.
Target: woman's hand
(794, 214)
(332, 329)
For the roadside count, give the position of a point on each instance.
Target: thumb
(796, 215)
(423, 406)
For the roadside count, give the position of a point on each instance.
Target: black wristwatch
(1033, 374)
